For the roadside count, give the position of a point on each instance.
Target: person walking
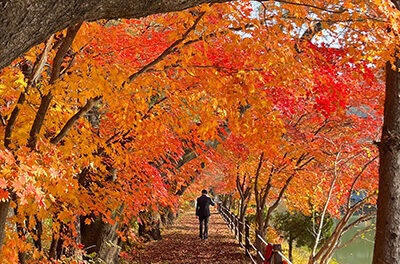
(203, 212)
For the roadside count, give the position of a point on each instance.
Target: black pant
(203, 220)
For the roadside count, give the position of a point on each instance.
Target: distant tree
(298, 227)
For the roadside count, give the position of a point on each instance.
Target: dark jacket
(203, 206)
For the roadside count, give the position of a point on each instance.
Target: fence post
(246, 237)
(277, 259)
(234, 222)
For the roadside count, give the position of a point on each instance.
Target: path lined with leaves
(181, 244)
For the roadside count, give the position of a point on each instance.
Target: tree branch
(147, 115)
(39, 118)
(360, 220)
(37, 72)
(26, 23)
(66, 44)
(359, 203)
(265, 191)
(355, 236)
(357, 177)
(337, 11)
(70, 123)
(55, 73)
(256, 179)
(239, 186)
(13, 119)
(39, 66)
(166, 52)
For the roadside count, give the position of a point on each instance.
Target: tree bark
(102, 238)
(387, 238)
(38, 122)
(4, 206)
(24, 24)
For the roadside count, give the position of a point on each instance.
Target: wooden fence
(244, 234)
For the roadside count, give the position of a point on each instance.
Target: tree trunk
(110, 244)
(38, 231)
(259, 231)
(242, 215)
(149, 229)
(53, 247)
(21, 235)
(102, 238)
(387, 238)
(290, 242)
(167, 216)
(260, 245)
(4, 206)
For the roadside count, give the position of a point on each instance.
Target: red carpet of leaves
(181, 244)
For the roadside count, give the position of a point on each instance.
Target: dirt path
(181, 244)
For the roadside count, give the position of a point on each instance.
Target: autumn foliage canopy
(108, 121)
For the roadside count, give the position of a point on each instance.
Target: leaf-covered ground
(181, 244)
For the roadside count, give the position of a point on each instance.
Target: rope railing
(257, 255)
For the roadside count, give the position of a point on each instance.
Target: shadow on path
(181, 244)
